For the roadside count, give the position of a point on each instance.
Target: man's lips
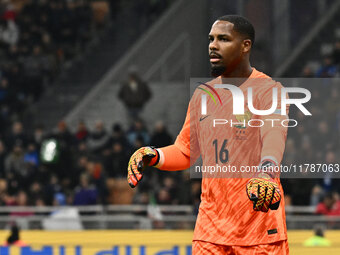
(214, 60)
(214, 57)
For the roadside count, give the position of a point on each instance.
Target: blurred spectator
(307, 72)
(59, 199)
(317, 194)
(318, 239)
(290, 152)
(196, 193)
(141, 198)
(82, 132)
(38, 136)
(15, 162)
(82, 149)
(80, 168)
(16, 136)
(65, 146)
(97, 140)
(3, 153)
(332, 106)
(164, 197)
(161, 136)
(9, 32)
(320, 139)
(170, 184)
(329, 205)
(328, 181)
(327, 69)
(35, 193)
(85, 194)
(3, 192)
(138, 143)
(34, 67)
(117, 161)
(118, 136)
(22, 200)
(288, 200)
(97, 177)
(4, 92)
(12, 188)
(31, 156)
(336, 53)
(134, 93)
(63, 135)
(51, 189)
(138, 132)
(8, 12)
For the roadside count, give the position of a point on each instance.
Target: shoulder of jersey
(265, 81)
(211, 83)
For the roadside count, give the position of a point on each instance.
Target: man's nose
(213, 45)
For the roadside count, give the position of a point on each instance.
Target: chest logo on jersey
(242, 120)
(204, 117)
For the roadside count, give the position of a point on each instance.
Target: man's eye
(224, 40)
(211, 39)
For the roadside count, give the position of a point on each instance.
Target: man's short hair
(241, 25)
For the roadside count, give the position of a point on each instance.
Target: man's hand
(138, 161)
(264, 192)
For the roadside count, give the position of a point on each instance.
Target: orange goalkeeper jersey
(226, 215)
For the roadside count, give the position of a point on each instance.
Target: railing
(136, 217)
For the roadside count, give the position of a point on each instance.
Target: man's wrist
(155, 160)
(268, 168)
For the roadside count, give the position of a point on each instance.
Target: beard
(217, 70)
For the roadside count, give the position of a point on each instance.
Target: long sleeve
(274, 130)
(273, 137)
(172, 159)
(184, 152)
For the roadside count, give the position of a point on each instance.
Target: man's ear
(246, 45)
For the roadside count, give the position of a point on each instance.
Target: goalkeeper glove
(137, 163)
(264, 192)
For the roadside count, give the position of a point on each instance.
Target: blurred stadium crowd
(36, 39)
(91, 165)
(316, 140)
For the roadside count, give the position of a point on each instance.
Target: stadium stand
(81, 174)
(317, 142)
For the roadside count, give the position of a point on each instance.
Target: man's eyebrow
(220, 35)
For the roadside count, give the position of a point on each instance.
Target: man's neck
(243, 71)
(238, 76)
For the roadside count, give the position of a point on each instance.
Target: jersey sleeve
(273, 133)
(172, 159)
(187, 139)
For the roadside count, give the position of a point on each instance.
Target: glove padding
(264, 193)
(137, 163)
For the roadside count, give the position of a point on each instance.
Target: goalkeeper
(236, 215)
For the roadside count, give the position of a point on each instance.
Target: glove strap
(155, 160)
(267, 166)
